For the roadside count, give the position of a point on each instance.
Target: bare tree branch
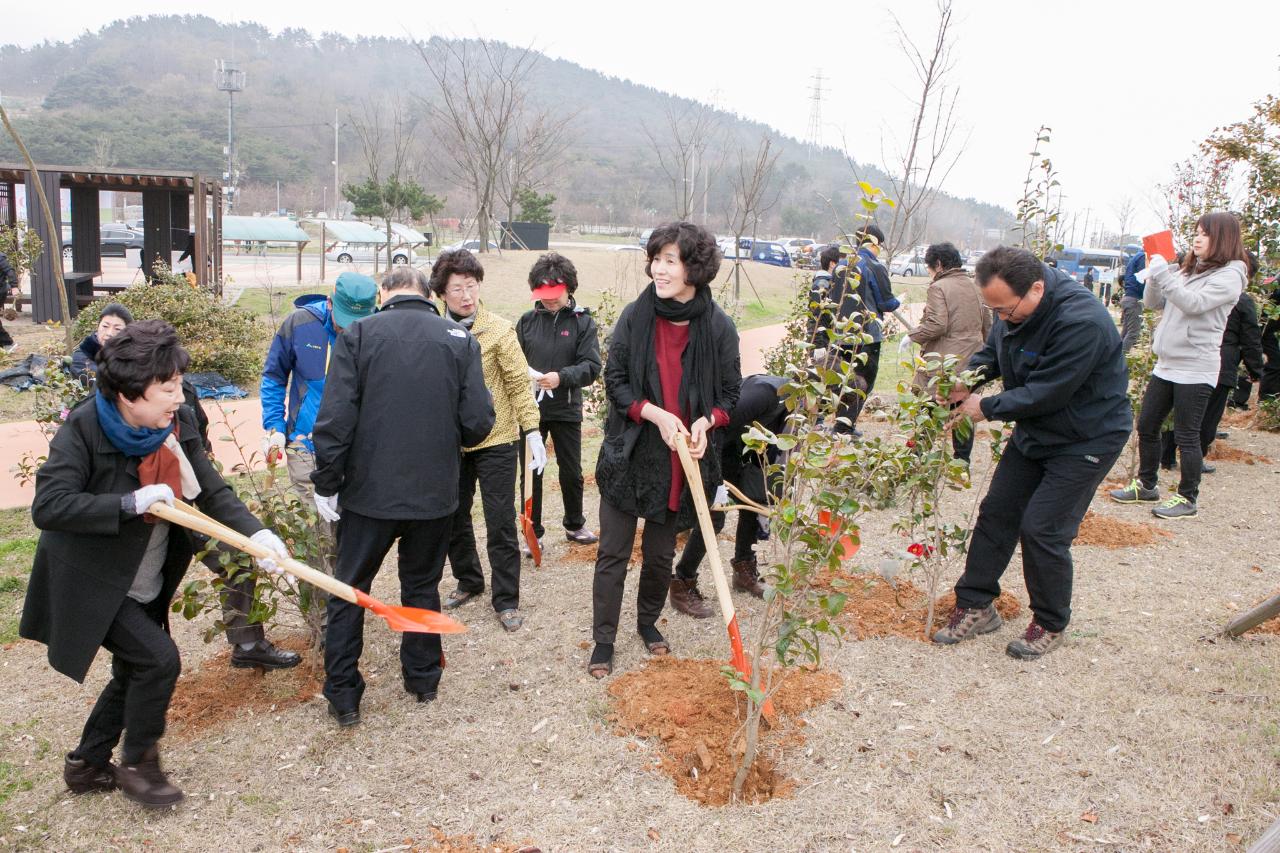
(681, 147)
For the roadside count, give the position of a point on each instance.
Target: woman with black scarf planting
(673, 369)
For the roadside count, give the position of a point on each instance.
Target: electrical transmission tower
(814, 135)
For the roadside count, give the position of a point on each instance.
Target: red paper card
(1160, 243)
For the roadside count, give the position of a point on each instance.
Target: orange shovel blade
(410, 619)
(530, 536)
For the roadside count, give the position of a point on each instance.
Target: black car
(115, 240)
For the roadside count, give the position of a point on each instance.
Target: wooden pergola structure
(166, 207)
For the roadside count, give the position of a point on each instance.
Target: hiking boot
(581, 536)
(82, 777)
(1036, 642)
(146, 784)
(1135, 493)
(686, 598)
(1176, 507)
(746, 578)
(968, 622)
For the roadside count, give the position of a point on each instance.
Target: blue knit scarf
(129, 440)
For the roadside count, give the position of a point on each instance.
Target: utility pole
(229, 78)
(277, 195)
(336, 192)
(706, 178)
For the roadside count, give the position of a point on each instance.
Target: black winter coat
(89, 550)
(565, 342)
(404, 394)
(1241, 339)
(1065, 380)
(759, 403)
(633, 470)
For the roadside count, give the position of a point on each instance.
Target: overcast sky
(1127, 87)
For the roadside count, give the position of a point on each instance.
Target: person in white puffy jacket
(1196, 298)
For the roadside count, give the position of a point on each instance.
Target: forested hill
(140, 93)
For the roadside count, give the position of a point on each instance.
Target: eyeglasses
(460, 289)
(1006, 313)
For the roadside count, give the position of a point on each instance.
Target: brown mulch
(442, 843)
(217, 693)
(1220, 451)
(877, 608)
(688, 707)
(1239, 418)
(1107, 532)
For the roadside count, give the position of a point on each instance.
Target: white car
(363, 253)
(909, 265)
(797, 246)
(727, 249)
(470, 246)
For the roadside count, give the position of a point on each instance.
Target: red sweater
(669, 342)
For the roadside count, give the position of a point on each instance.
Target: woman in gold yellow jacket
(456, 278)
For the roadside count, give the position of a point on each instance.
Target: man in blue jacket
(1131, 302)
(296, 365)
(1065, 387)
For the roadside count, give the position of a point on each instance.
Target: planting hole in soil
(877, 608)
(1107, 532)
(688, 708)
(217, 693)
(1220, 451)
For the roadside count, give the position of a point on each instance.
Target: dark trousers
(1188, 405)
(1130, 322)
(852, 401)
(613, 554)
(1038, 502)
(963, 447)
(1243, 390)
(744, 541)
(1213, 412)
(237, 598)
(1269, 387)
(5, 338)
(494, 468)
(144, 668)
(363, 543)
(566, 437)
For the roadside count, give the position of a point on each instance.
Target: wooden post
(1269, 841)
(1253, 618)
(323, 242)
(300, 246)
(200, 258)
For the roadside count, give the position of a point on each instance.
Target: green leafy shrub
(220, 337)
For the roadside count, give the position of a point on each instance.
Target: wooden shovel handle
(755, 507)
(185, 515)
(693, 474)
(528, 470)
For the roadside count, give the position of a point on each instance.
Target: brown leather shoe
(146, 784)
(746, 578)
(686, 598)
(82, 777)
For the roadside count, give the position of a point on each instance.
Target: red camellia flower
(911, 442)
(916, 550)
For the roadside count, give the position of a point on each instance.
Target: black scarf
(701, 379)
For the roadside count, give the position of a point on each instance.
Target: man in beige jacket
(954, 322)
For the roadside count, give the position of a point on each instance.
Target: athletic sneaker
(1176, 507)
(1135, 493)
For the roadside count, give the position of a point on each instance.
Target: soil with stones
(876, 607)
(688, 707)
(1108, 532)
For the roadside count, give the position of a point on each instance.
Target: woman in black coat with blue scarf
(105, 571)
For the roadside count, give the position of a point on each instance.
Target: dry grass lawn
(1144, 732)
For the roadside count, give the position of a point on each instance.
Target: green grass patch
(11, 781)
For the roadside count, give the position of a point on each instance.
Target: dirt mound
(442, 843)
(217, 693)
(1220, 451)
(1108, 532)
(687, 706)
(1240, 418)
(876, 608)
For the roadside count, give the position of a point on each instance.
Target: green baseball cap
(354, 296)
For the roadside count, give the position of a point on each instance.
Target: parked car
(797, 246)
(767, 252)
(469, 245)
(910, 264)
(644, 238)
(114, 240)
(971, 262)
(350, 253)
(727, 248)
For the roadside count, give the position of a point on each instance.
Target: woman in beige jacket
(955, 322)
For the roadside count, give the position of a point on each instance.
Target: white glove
(327, 507)
(537, 452)
(146, 496)
(722, 496)
(538, 391)
(1155, 262)
(268, 539)
(275, 439)
(820, 354)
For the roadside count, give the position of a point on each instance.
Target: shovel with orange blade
(526, 515)
(693, 474)
(398, 618)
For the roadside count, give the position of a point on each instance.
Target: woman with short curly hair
(673, 370)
